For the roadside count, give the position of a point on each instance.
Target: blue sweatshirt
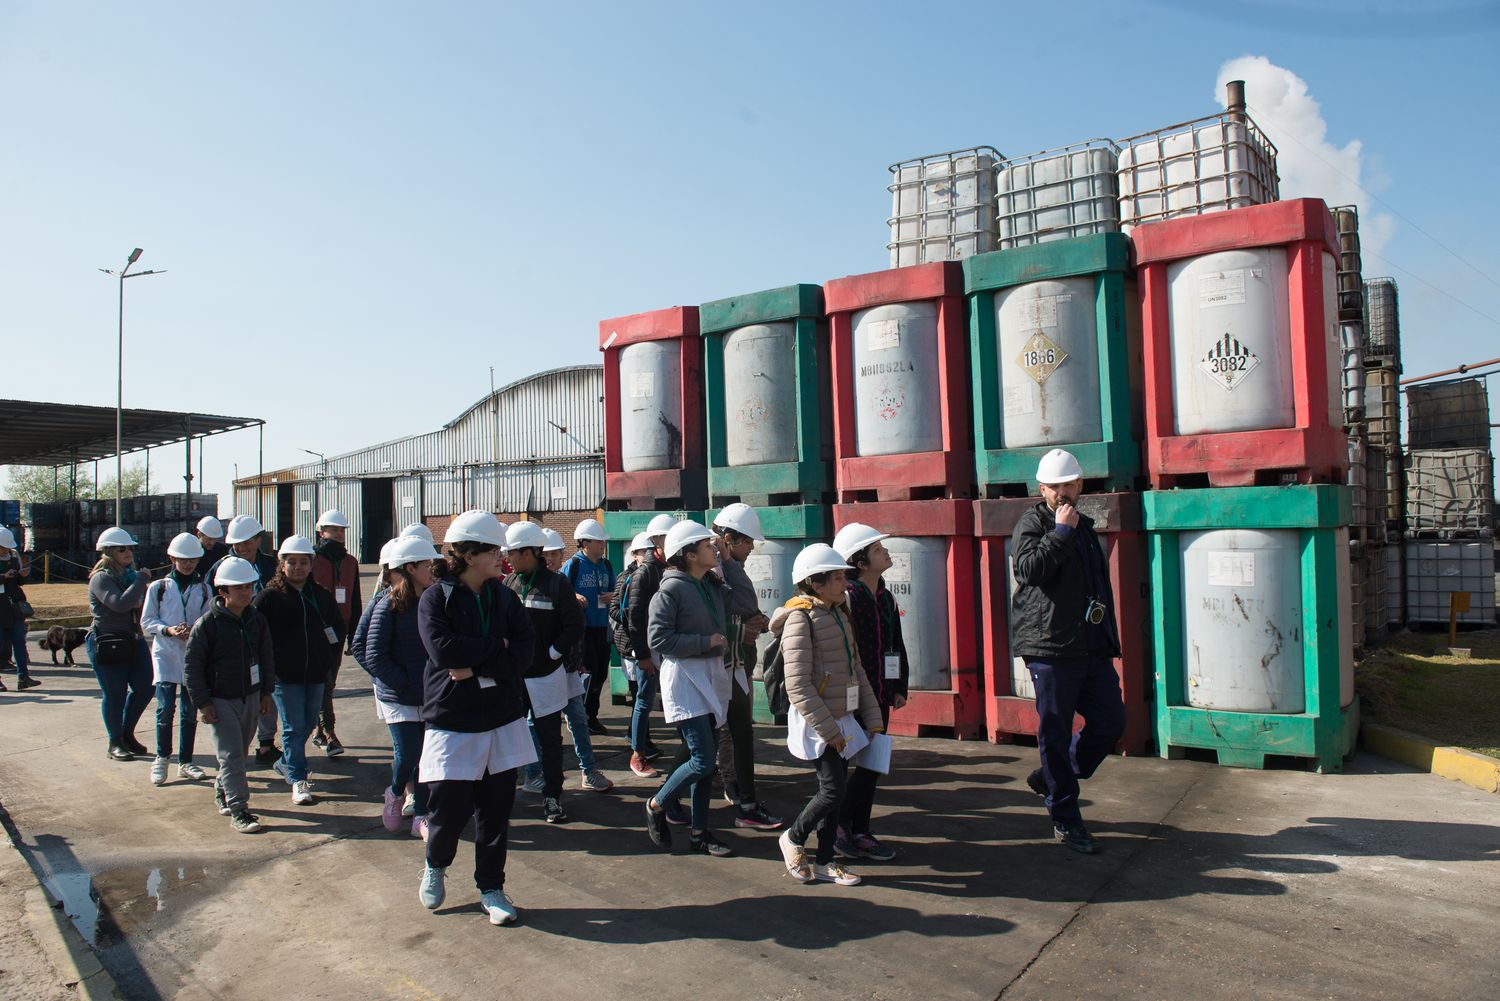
(595, 583)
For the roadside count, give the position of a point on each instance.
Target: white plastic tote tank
(760, 394)
(1049, 363)
(650, 406)
(897, 399)
(918, 580)
(770, 571)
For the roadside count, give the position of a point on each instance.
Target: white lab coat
(167, 606)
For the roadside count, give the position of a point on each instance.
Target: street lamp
(123, 274)
(321, 479)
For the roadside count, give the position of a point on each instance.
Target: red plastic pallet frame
(894, 477)
(1313, 447)
(1008, 715)
(688, 482)
(960, 708)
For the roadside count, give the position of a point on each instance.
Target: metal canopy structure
(60, 434)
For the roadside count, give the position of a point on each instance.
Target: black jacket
(644, 584)
(13, 573)
(556, 617)
(1057, 573)
(220, 650)
(877, 632)
(449, 620)
(297, 619)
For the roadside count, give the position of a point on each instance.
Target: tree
(34, 484)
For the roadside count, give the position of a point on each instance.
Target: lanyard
(713, 607)
(309, 603)
(848, 654)
(482, 599)
(528, 581)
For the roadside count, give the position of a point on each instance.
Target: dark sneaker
(118, 753)
(221, 802)
(245, 822)
(873, 849)
(707, 844)
(1037, 781)
(26, 683)
(1077, 838)
(319, 739)
(656, 827)
(597, 728)
(333, 748)
(267, 754)
(552, 810)
(134, 746)
(846, 846)
(677, 814)
(755, 817)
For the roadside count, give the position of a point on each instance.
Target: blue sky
(364, 206)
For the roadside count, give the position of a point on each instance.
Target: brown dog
(66, 640)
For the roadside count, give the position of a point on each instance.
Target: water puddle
(107, 906)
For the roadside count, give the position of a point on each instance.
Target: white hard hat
(242, 528)
(555, 543)
(641, 543)
(743, 519)
(854, 537)
(233, 570)
(296, 545)
(332, 519)
(416, 530)
(660, 525)
(1058, 466)
(185, 547)
(525, 535)
(114, 537)
(209, 526)
(385, 550)
(476, 526)
(408, 549)
(684, 534)
(589, 530)
(815, 559)
(7, 540)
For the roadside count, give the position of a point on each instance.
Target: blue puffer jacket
(392, 652)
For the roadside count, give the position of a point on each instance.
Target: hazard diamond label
(1040, 357)
(1229, 362)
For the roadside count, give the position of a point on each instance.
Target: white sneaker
(159, 771)
(498, 906)
(300, 794)
(191, 772)
(596, 781)
(834, 872)
(432, 891)
(409, 808)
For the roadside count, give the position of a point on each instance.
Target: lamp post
(123, 274)
(322, 478)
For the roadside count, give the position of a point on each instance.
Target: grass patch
(59, 604)
(1412, 683)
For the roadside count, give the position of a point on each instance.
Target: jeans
(490, 800)
(167, 698)
(859, 795)
(546, 733)
(640, 714)
(122, 712)
(14, 635)
(298, 706)
(737, 748)
(1089, 687)
(596, 647)
(821, 814)
(697, 772)
(406, 754)
(233, 731)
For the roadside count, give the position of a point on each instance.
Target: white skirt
(449, 756)
(549, 693)
(803, 741)
(388, 712)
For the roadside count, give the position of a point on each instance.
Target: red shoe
(642, 767)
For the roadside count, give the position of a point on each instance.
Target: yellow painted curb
(1478, 770)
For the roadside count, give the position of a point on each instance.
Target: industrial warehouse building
(533, 448)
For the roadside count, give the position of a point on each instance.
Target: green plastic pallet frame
(808, 476)
(1115, 459)
(622, 527)
(1324, 732)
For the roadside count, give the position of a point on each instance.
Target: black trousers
(821, 814)
(596, 648)
(737, 747)
(548, 731)
(450, 804)
(859, 798)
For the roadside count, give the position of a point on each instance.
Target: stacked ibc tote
(1249, 573)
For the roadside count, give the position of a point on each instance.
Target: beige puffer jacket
(822, 661)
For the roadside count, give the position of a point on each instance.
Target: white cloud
(1310, 166)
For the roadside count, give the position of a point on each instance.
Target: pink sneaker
(391, 815)
(419, 827)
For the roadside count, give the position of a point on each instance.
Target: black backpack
(773, 676)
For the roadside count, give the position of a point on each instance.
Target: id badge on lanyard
(333, 637)
(254, 674)
(892, 667)
(851, 695)
(340, 595)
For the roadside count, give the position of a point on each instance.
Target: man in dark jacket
(337, 572)
(1063, 625)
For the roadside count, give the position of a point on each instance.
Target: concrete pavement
(1379, 882)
